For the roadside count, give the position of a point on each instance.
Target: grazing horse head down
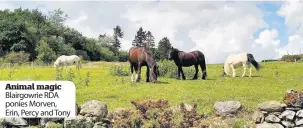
(184, 59)
(141, 56)
(68, 60)
(237, 60)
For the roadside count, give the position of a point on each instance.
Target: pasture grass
(95, 82)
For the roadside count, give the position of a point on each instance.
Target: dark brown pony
(141, 56)
(181, 58)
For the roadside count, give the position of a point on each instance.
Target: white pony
(68, 60)
(237, 60)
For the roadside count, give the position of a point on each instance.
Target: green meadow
(95, 82)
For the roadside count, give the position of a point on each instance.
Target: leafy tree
(45, 54)
(44, 36)
(140, 38)
(150, 40)
(163, 46)
(57, 18)
(116, 44)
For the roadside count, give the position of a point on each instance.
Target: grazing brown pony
(141, 56)
(181, 58)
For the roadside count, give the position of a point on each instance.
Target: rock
(271, 106)
(299, 122)
(227, 108)
(51, 124)
(32, 121)
(13, 122)
(43, 121)
(288, 124)
(94, 108)
(78, 122)
(269, 125)
(100, 125)
(272, 119)
(276, 113)
(292, 108)
(258, 117)
(299, 114)
(288, 115)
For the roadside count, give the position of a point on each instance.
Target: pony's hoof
(178, 78)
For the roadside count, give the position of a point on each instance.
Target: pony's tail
(252, 60)
(202, 61)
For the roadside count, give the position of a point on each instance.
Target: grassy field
(270, 83)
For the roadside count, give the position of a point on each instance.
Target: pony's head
(225, 70)
(56, 64)
(172, 53)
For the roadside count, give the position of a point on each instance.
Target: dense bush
(119, 70)
(169, 69)
(17, 57)
(82, 54)
(123, 56)
(107, 55)
(291, 58)
(45, 54)
(157, 114)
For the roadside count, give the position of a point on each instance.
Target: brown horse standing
(195, 58)
(138, 57)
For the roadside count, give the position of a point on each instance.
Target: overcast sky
(265, 29)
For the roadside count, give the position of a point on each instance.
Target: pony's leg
(244, 70)
(233, 69)
(203, 69)
(132, 72)
(183, 76)
(196, 74)
(179, 72)
(138, 77)
(249, 67)
(135, 66)
(147, 74)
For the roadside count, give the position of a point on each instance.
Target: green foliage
(87, 79)
(107, 55)
(123, 56)
(70, 75)
(291, 58)
(118, 70)
(238, 124)
(82, 54)
(301, 60)
(118, 33)
(17, 57)
(23, 30)
(51, 124)
(45, 54)
(163, 46)
(59, 75)
(140, 38)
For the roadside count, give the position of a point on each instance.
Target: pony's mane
(175, 49)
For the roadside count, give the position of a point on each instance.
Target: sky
(266, 29)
